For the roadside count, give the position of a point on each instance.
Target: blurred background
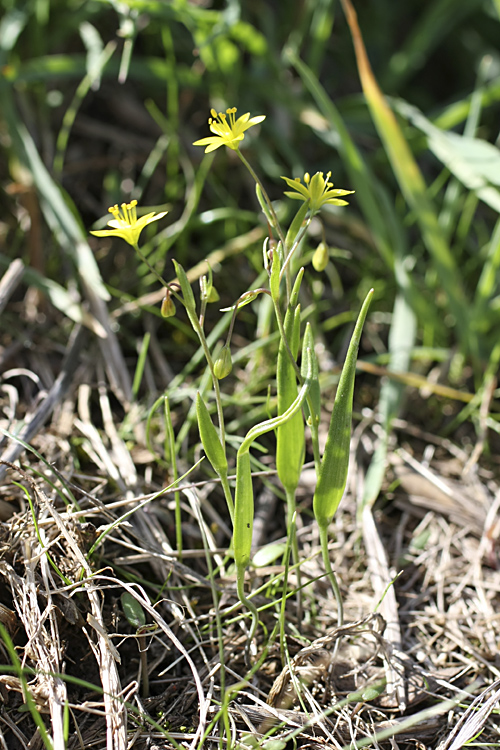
(101, 100)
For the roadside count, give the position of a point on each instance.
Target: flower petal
(296, 196)
(255, 120)
(206, 141)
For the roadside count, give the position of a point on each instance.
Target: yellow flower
(227, 132)
(126, 224)
(316, 190)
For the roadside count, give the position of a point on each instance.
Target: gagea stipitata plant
(298, 396)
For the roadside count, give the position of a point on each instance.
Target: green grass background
(100, 102)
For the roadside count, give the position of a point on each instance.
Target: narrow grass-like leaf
(55, 208)
(401, 340)
(187, 292)
(411, 181)
(243, 509)
(473, 161)
(28, 698)
(488, 281)
(314, 397)
(244, 503)
(141, 363)
(97, 61)
(335, 462)
(361, 177)
(60, 298)
(210, 439)
(296, 224)
(290, 438)
(263, 205)
(274, 281)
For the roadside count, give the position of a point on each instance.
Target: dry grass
(423, 672)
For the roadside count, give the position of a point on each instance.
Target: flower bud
(320, 257)
(167, 306)
(223, 364)
(213, 295)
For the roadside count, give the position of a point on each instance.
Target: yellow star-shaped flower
(126, 224)
(317, 190)
(228, 132)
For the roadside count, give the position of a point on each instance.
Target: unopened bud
(167, 306)
(320, 257)
(223, 364)
(213, 295)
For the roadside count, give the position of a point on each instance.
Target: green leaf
(263, 205)
(210, 439)
(274, 281)
(335, 462)
(290, 438)
(268, 554)
(295, 226)
(187, 292)
(133, 610)
(243, 511)
(473, 161)
(314, 390)
(244, 502)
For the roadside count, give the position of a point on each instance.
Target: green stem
(266, 197)
(295, 245)
(206, 351)
(282, 619)
(143, 651)
(323, 535)
(228, 496)
(240, 584)
(197, 327)
(215, 600)
(148, 264)
(292, 533)
(170, 438)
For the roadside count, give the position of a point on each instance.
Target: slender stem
(240, 585)
(241, 298)
(200, 333)
(148, 264)
(143, 651)
(227, 494)
(292, 533)
(233, 690)
(264, 193)
(295, 245)
(282, 618)
(323, 535)
(215, 600)
(206, 351)
(170, 438)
